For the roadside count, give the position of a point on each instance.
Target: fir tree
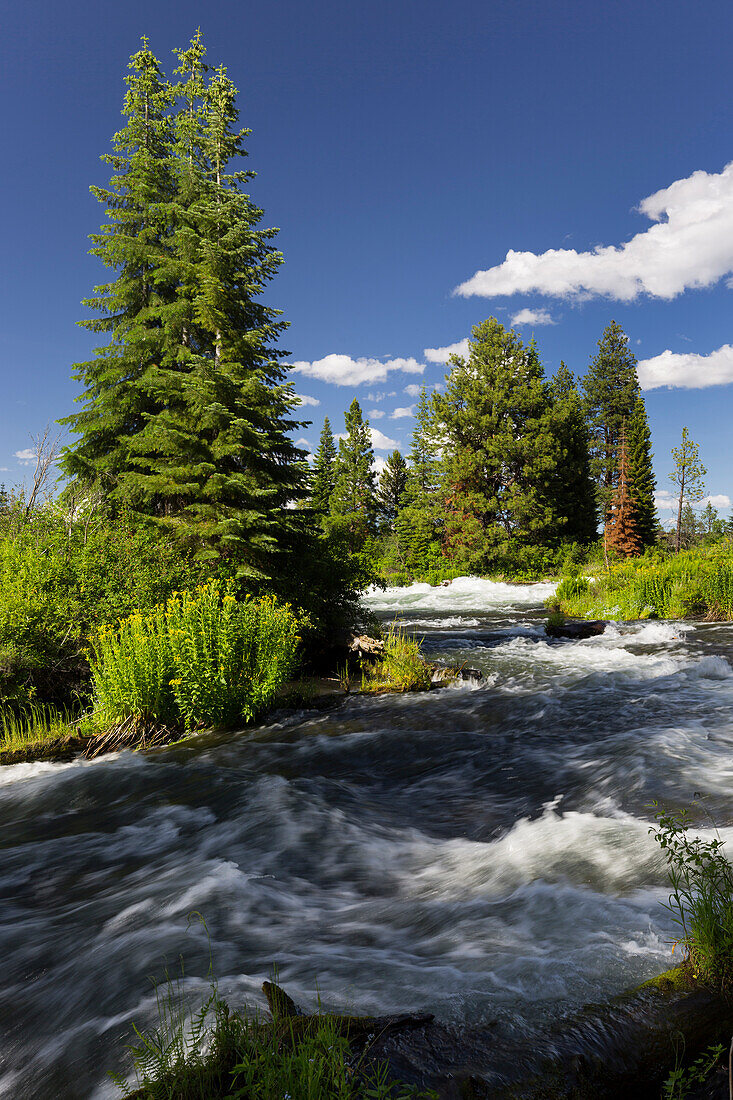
(324, 471)
(136, 307)
(688, 476)
(353, 500)
(574, 490)
(622, 532)
(641, 473)
(611, 388)
(391, 490)
(420, 520)
(209, 453)
(502, 453)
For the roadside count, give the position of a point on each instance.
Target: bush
(202, 659)
(570, 587)
(701, 900)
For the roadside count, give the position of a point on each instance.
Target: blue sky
(573, 152)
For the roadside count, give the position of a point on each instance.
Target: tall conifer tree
(324, 471)
(574, 491)
(354, 495)
(391, 490)
(641, 473)
(622, 531)
(611, 388)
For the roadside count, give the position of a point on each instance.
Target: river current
(481, 852)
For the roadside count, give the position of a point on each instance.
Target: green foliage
(214, 1054)
(400, 668)
(353, 500)
(571, 587)
(186, 413)
(34, 723)
(683, 1078)
(324, 471)
(688, 476)
(694, 584)
(642, 481)
(611, 389)
(59, 581)
(573, 487)
(701, 898)
(203, 659)
(391, 490)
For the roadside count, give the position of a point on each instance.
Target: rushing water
(481, 852)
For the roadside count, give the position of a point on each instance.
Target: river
(481, 852)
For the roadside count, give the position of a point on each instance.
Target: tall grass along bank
(695, 584)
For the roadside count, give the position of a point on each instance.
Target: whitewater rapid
(481, 852)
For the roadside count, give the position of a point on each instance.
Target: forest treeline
(509, 471)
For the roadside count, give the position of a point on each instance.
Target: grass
(201, 660)
(216, 1054)
(33, 724)
(700, 900)
(684, 1078)
(401, 667)
(693, 584)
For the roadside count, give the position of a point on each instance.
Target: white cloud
(718, 500)
(691, 245)
(686, 370)
(442, 355)
(342, 370)
(664, 500)
(379, 464)
(26, 457)
(380, 396)
(302, 442)
(306, 399)
(532, 317)
(412, 390)
(407, 410)
(376, 414)
(382, 442)
(668, 502)
(4, 469)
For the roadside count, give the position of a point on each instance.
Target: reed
(400, 668)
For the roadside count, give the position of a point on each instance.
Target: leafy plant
(401, 666)
(701, 898)
(203, 659)
(681, 1079)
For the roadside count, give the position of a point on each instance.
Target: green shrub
(570, 587)
(203, 659)
(701, 899)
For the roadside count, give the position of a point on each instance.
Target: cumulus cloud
(379, 464)
(26, 457)
(302, 442)
(668, 502)
(407, 410)
(306, 399)
(532, 317)
(718, 500)
(686, 370)
(442, 355)
(690, 245)
(376, 414)
(376, 396)
(412, 390)
(664, 501)
(382, 442)
(342, 370)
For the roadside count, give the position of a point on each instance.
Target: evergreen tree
(611, 388)
(622, 532)
(641, 473)
(209, 453)
(391, 490)
(324, 471)
(353, 500)
(710, 520)
(688, 476)
(420, 520)
(574, 491)
(502, 453)
(137, 306)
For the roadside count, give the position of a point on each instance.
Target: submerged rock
(575, 629)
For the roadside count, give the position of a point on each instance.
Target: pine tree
(611, 388)
(688, 475)
(641, 473)
(391, 490)
(622, 532)
(501, 449)
(324, 471)
(353, 500)
(137, 306)
(420, 521)
(574, 491)
(210, 454)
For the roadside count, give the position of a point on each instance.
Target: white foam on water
(464, 593)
